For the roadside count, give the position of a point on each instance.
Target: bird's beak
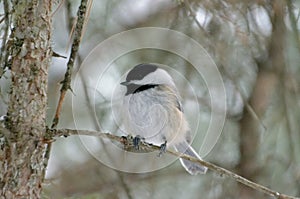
(124, 83)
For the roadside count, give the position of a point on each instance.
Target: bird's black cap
(140, 71)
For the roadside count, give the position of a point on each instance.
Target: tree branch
(129, 146)
(66, 83)
(4, 48)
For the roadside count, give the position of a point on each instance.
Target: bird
(152, 110)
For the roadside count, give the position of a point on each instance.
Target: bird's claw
(136, 142)
(163, 149)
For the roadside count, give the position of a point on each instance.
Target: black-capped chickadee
(152, 110)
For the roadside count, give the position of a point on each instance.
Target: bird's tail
(191, 167)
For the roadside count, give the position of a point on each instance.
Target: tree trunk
(22, 155)
(269, 84)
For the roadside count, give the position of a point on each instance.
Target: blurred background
(256, 47)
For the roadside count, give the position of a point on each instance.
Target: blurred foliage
(255, 45)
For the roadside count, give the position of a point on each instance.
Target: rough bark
(22, 154)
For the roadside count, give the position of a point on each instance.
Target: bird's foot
(136, 142)
(163, 149)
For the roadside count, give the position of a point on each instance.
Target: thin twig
(128, 145)
(66, 83)
(293, 22)
(125, 185)
(69, 17)
(5, 45)
(245, 101)
(58, 8)
(194, 15)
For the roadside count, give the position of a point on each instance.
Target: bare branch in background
(5, 46)
(87, 96)
(193, 14)
(239, 36)
(293, 21)
(66, 83)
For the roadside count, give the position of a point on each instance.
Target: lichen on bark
(22, 158)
